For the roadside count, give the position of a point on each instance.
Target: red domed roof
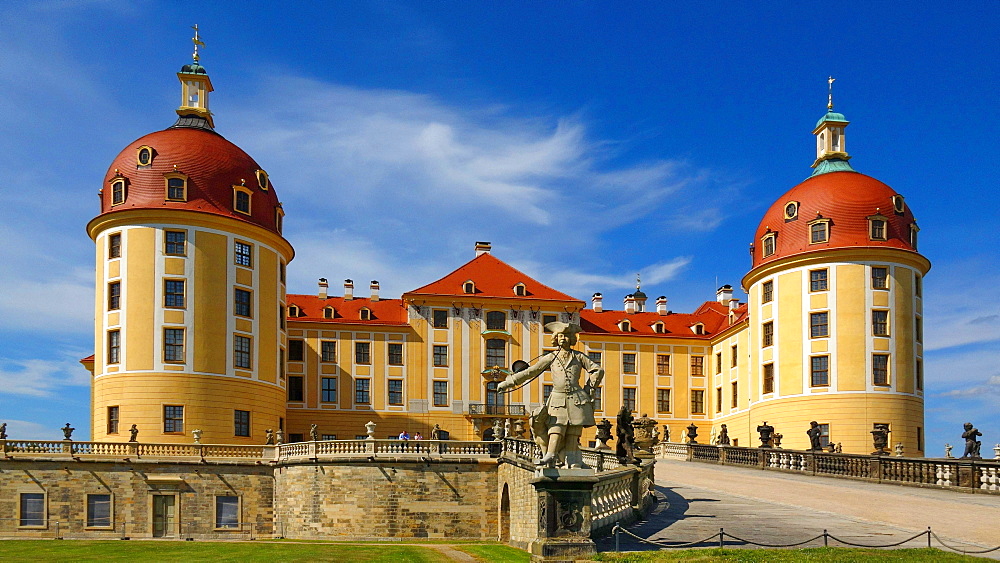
(212, 165)
(847, 199)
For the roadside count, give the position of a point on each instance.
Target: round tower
(835, 291)
(190, 322)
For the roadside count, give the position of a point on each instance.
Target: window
(227, 512)
(880, 277)
(176, 189)
(395, 391)
(115, 246)
(440, 356)
(880, 323)
(628, 363)
(241, 423)
(241, 200)
(819, 231)
(496, 320)
(281, 316)
(440, 393)
(628, 398)
(820, 371)
(281, 271)
(440, 318)
(546, 391)
(328, 351)
(791, 210)
(242, 303)
(144, 156)
(243, 253)
(175, 243)
(626, 326)
(241, 352)
(296, 350)
(919, 374)
(698, 402)
(362, 391)
(173, 294)
(114, 295)
(663, 364)
(735, 356)
(366, 314)
(173, 344)
(118, 192)
(546, 319)
(767, 292)
(496, 353)
(114, 346)
(767, 334)
(113, 420)
(734, 401)
(768, 378)
(362, 352)
(598, 399)
(262, 180)
(880, 369)
(469, 287)
(718, 399)
(293, 311)
(594, 357)
(395, 354)
(173, 418)
(920, 438)
(818, 280)
(663, 400)
(328, 391)
(295, 388)
(32, 511)
(281, 364)
(824, 435)
(819, 325)
(718, 362)
(697, 365)
(658, 327)
(520, 290)
(329, 313)
(328, 436)
(913, 235)
(917, 285)
(769, 240)
(99, 511)
(698, 328)
(877, 228)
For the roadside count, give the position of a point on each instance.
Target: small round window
(145, 156)
(791, 210)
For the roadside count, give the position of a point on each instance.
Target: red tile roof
(385, 312)
(712, 314)
(494, 279)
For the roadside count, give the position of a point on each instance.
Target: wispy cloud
(41, 378)
(958, 307)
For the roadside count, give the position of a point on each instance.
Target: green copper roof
(193, 68)
(832, 165)
(832, 116)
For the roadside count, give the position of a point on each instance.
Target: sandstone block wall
(523, 511)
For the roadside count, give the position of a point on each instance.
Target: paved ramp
(780, 508)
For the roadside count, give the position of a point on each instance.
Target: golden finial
(637, 281)
(829, 103)
(197, 42)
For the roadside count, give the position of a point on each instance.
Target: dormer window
(328, 313)
(698, 328)
(279, 218)
(293, 311)
(819, 230)
(118, 191)
(769, 242)
(913, 235)
(176, 186)
(791, 210)
(469, 287)
(658, 328)
(366, 314)
(241, 199)
(898, 205)
(520, 290)
(262, 179)
(625, 325)
(877, 225)
(144, 156)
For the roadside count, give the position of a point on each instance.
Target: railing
(416, 449)
(17, 448)
(976, 474)
(497, 410)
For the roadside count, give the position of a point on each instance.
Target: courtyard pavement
(696, 499)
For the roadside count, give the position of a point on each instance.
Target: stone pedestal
(564, 515)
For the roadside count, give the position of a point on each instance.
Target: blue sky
(587, 141)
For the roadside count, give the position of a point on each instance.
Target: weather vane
(197, 42)
(637, 281)
(829, 103)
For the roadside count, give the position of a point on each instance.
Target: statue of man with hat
(558, 424)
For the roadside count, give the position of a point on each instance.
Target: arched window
(241, 199)
(520, 290)
(263, 180)
(496, 320)
(496, 353)
(769, 243)
(366, 314)
(626, 326)
(469, 287)
(293, 311)
(118, 191)
(176, 187)
(328, 313)
(877, 227)
(658, 328)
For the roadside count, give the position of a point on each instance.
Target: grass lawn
(824, 554)
(496, 553)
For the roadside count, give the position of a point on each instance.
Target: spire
(195, 86)
(831, 152)
(640, 297)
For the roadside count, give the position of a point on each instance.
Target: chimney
(323, 285)
(661, 305)
(724, 294)
(348, 290)
(374, 288)
(733, 304)
(630, 304)
(482, 248)
(598, 302)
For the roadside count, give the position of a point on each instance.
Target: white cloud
(25, 430)
(990, 387)
(41, 378)
(958, 308)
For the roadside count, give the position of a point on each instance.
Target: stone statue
(279, 437)
(68, 432)
(814, 434)
(899, 449)
(880, 439)
(625, 448)
(506, 428)
(711, 438)
(603, 434)
(519, 428)
(645, 433)
(839, 449)
(197, 435)
(3, 431)
(497, 429)
(269, 437)
(972, 445)
(133, 433)
(692, 434)
(765, 430)
(723, 439)
(314, 433)
(776, 439)
(436, 432)
(558, 424)
(996, 451)
(947, 450)
(666, 433)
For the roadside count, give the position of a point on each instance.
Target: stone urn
(645, 434)
(603, 435)
(370, 428)
(692, 434)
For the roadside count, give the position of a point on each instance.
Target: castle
(194, 328)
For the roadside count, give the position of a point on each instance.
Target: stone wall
(408, 499)
(523, 507)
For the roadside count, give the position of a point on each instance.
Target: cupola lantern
(195, 86)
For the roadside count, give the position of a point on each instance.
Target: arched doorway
(504, 535)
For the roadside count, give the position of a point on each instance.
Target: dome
(832, 116)
(212, 166)
(847, 200)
